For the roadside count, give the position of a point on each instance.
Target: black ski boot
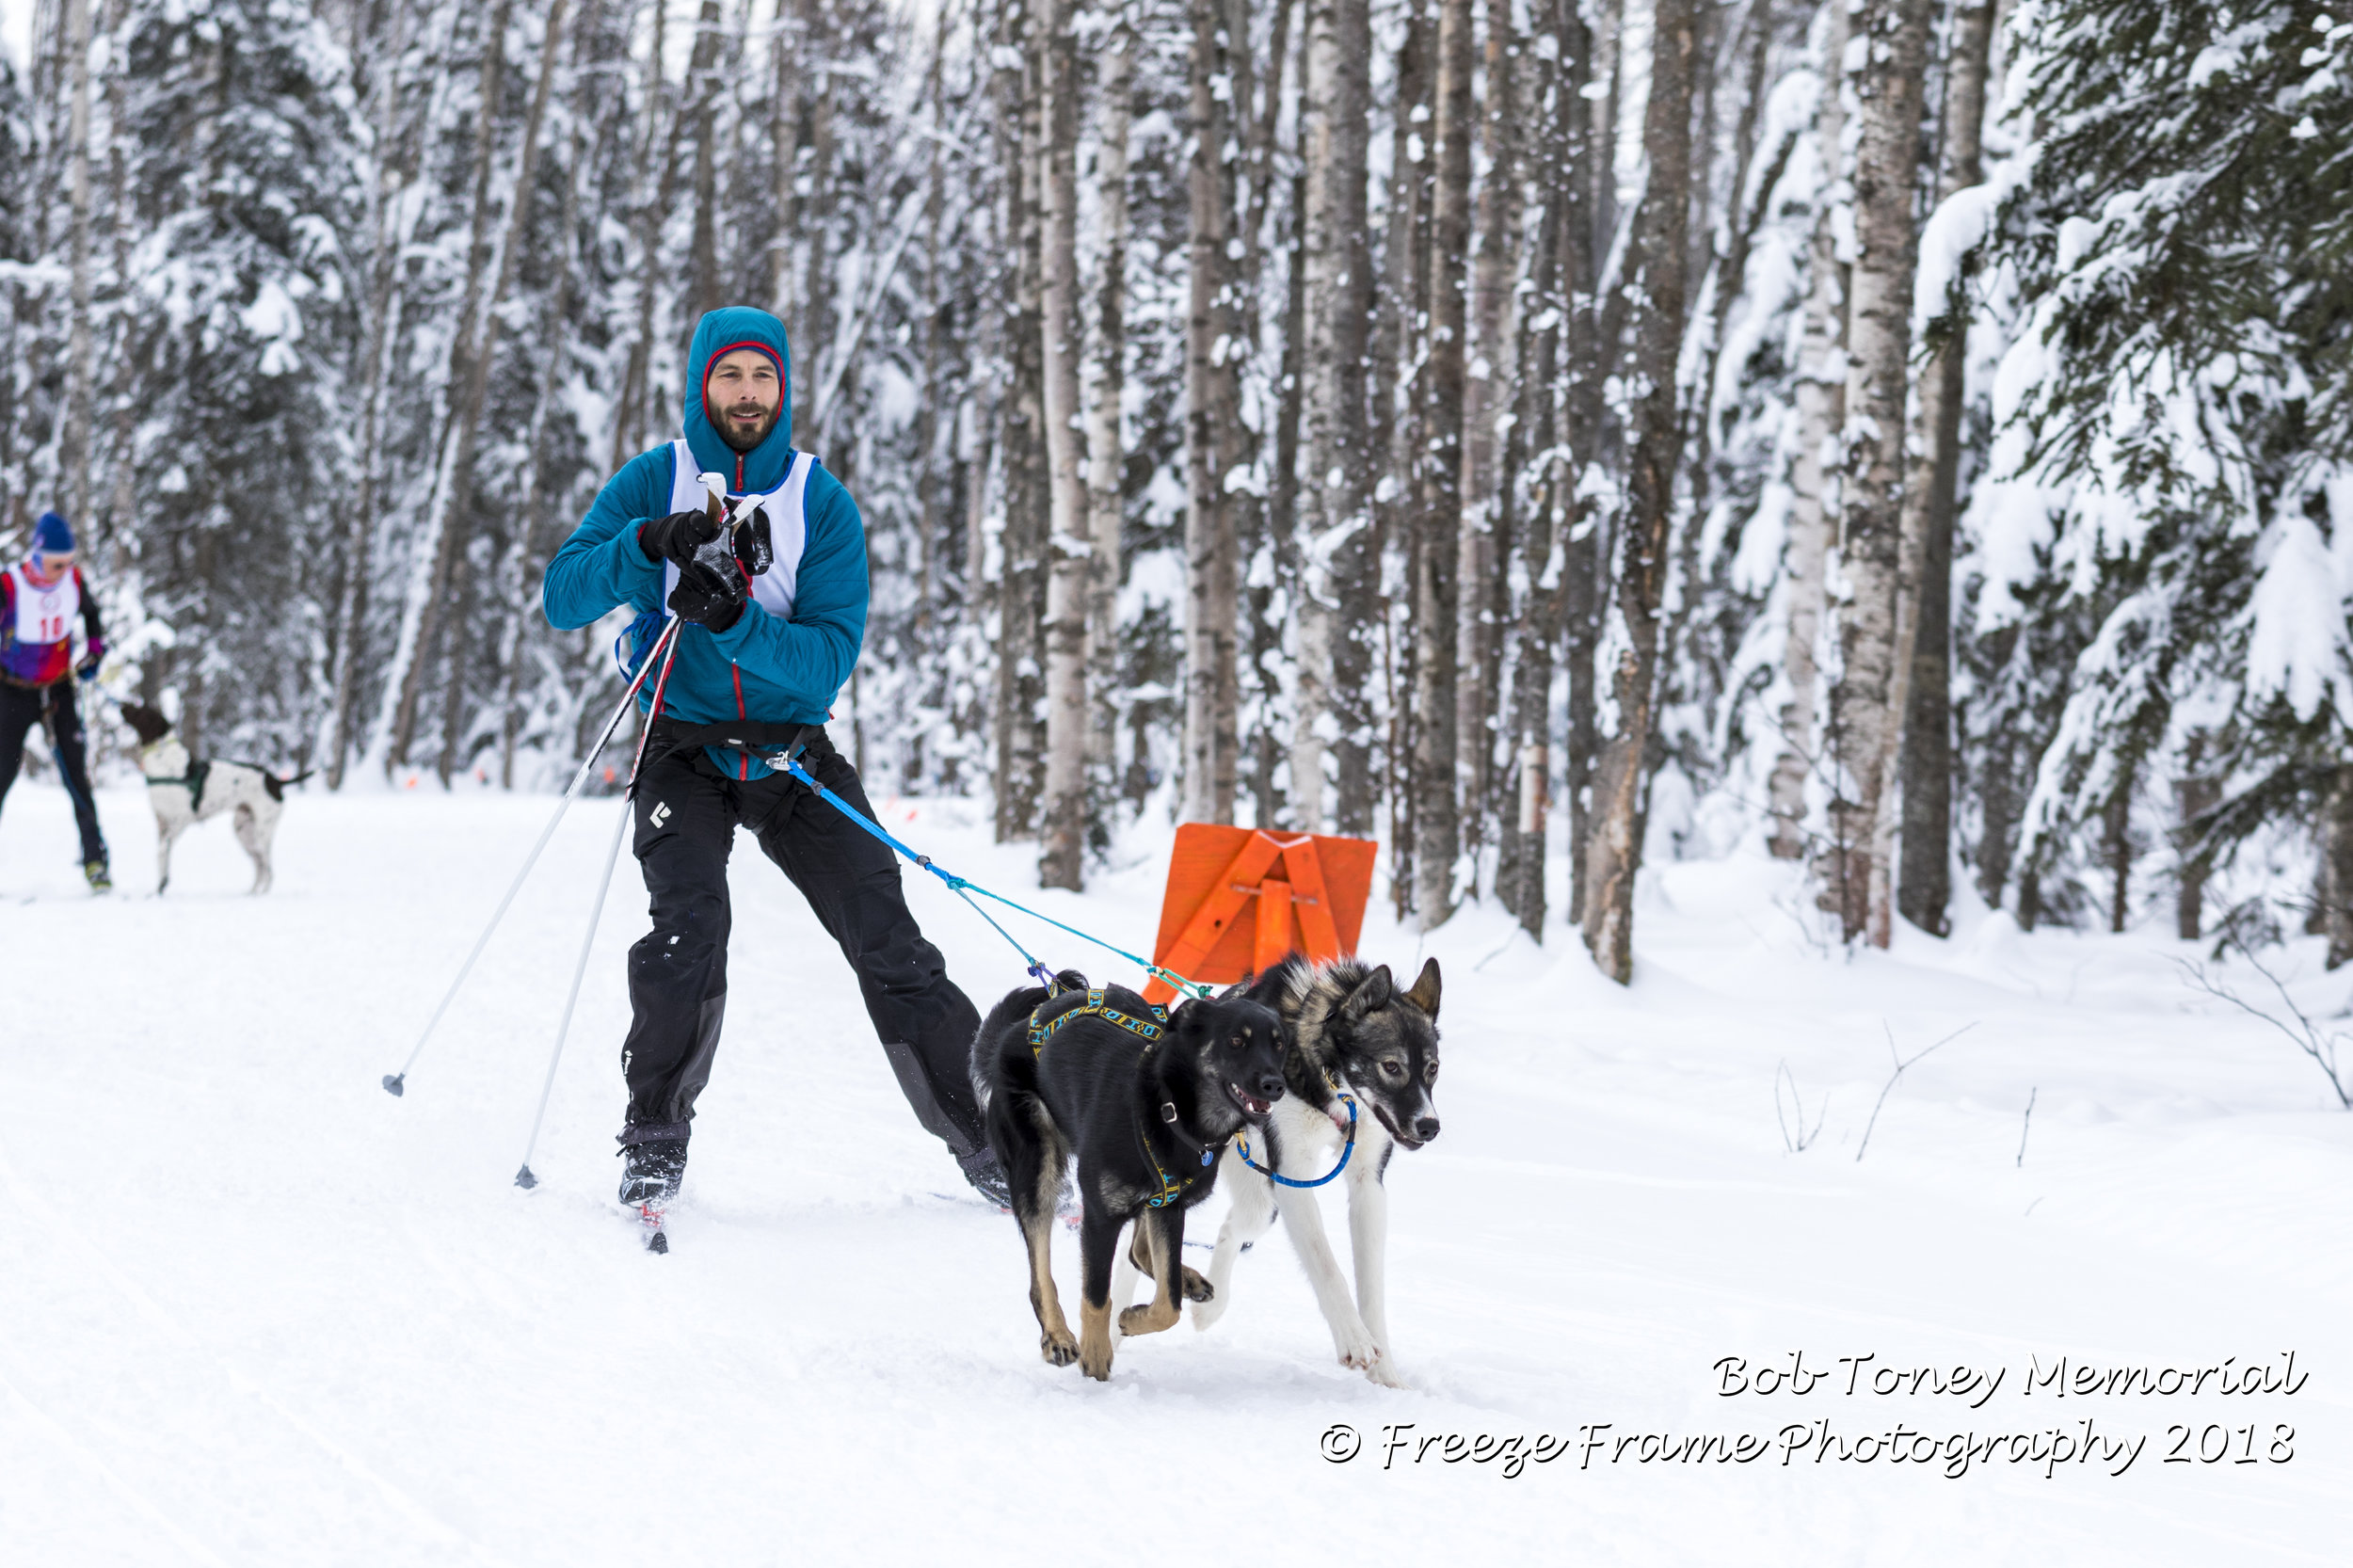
(650, 1172)
(988, 1178)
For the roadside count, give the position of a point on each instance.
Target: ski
(650, 1222)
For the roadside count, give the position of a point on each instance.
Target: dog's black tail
(277, 787)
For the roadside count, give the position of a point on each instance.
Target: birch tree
(1336, 263)
(1931, 488)
(1814, 469)
(1062, 864)
(436, 546)
(1211, 686)
(1439, 470)
(1874, 618)
(1614, 851)
(1106, 508)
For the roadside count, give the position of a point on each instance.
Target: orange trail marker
(1310, 893)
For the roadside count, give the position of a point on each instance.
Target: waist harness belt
(771, 742)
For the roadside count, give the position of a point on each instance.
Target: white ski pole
(394, 1082)
(523, 1178)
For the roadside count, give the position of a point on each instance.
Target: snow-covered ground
(252, 1310)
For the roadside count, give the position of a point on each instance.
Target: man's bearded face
(744, 396)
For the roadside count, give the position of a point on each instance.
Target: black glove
(711, 599)
(752, 546)
(677, 537)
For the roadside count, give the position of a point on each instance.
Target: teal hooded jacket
(784, 671)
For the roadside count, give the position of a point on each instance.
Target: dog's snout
(1426, 1128)
(1269, 1086)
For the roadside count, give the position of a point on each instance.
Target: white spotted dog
(1351, 1029)
(185, 791)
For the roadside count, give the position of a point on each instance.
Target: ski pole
(523, 1178)
(394, 1082)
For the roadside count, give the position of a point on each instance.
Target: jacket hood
(717, 334)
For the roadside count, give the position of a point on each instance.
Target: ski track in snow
(255, 1311)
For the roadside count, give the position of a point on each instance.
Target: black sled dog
(1145, 1100)
(185, 792)
(1349, 1028)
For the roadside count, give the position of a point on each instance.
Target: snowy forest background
(1912, 434)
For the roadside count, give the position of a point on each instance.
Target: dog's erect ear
(147, 724)
(1425, 992)
(1372, 992)
(1237, 988)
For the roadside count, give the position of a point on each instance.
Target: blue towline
(964, 888)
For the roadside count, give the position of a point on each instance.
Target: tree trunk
(2336, 847)
(1590, 355)
(1355, 554)
(1520, 863)
(1105, 487)
(1486, 493)
(2195, 794)
(1210, 397)
(74, 446)
(1439, 470)
(784, 130)
(1062, 863)
(1334, 260)
(394, 170)
(2115, 847)
(437, 541)
(703, 89)
(1398, 383)
(2001, 794)
(1020, 598)
(930, 571)
(1614, 853)
(817, 286)
(652, 212)
(1925, 877)
(478, 380)
(515, 575)
(1875, 618)
(1813, 471)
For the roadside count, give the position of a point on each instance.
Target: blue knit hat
(52, 536)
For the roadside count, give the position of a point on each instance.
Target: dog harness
(1095, 1007)
(193, 780)
(1149, 1031)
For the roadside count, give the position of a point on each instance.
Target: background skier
(771, 636)
(39, 598)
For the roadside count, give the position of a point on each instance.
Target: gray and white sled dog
(185, 791)
(1351, 1028)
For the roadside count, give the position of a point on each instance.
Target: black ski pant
(686, 815)
(52, 706)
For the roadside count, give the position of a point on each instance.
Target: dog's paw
(1358, 1351)
(1095, 1361)
(1060, 1350)
(1146, 1319)
(1198, 1288)
(1384, 1371)
(1208, 1312)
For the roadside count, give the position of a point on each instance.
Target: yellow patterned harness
(1149, 1030)
(1095, 1007)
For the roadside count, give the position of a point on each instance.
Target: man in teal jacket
(775, 615)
